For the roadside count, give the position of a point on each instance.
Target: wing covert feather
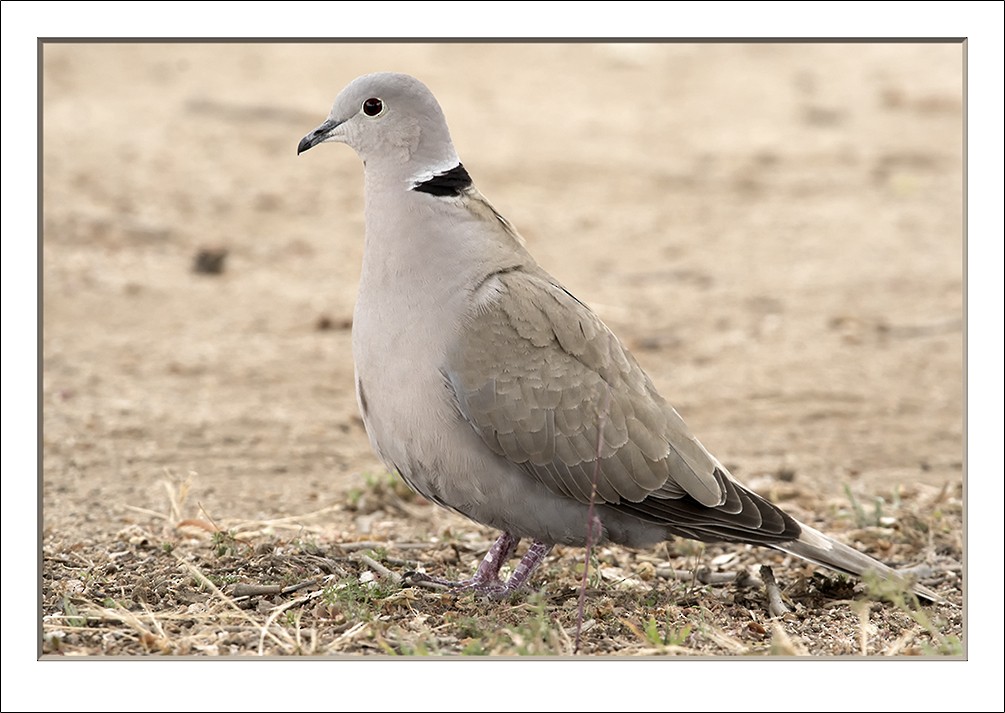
(569, 382)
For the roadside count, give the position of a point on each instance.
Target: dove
(495, 392)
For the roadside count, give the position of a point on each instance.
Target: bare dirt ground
(775, 230)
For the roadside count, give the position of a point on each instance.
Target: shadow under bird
(496, 393)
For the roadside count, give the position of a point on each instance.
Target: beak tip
(319, 135)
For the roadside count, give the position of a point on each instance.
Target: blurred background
(774, 230)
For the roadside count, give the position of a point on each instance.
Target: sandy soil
(776, 231)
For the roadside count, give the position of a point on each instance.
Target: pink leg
(486, 579)
(537, 552)
(488, 570)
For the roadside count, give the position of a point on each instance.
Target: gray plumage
(495, 392)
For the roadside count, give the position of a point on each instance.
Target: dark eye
(373, 106)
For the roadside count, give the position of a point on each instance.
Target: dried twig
(745, 579)
(705, 575)
(378, 567)
(398, 562)
(299, 585)
(418, 581)
(370, 545)
(776, 607)
(242, 590)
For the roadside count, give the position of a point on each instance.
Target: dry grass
(183, 583)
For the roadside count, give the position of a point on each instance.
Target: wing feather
(574, 390)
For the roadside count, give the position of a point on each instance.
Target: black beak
(317, 136)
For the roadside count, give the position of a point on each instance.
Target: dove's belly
(415, 428)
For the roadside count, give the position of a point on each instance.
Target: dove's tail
(820, 549)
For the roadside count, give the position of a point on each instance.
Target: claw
(486, 580)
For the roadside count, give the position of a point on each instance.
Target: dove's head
(392, 121)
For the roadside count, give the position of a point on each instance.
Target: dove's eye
(373, 107)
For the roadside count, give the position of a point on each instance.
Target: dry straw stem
(204, 580)
(274, 614)
(784, 645)
(151, 638)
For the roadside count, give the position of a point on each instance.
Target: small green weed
(224, 543)
(73, 617)
(669, 636)
(900, 597)
(356, 599)
(863, 518)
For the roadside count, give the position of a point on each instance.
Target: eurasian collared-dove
(495, 392)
